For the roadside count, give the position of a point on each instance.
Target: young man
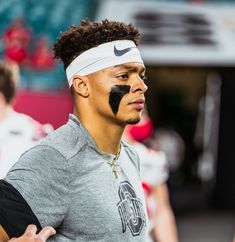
(82, 179)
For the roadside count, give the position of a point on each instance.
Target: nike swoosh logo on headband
(121, 52)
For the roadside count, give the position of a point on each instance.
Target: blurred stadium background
(189, 51)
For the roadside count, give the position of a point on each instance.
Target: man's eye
(123, 76)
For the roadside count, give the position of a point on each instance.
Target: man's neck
(106, 135)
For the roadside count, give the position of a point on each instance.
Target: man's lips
(138, 104)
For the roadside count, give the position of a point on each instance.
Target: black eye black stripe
(116, 94)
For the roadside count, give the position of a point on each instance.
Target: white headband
(103, 56)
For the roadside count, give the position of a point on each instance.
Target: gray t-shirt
(69, 185)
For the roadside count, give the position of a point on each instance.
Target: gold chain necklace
(113, 163)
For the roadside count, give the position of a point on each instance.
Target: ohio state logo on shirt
(130, 209)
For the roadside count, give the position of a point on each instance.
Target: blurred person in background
(171, 143)
(16, 39)
(82, 179)
(42, 57)
(154, 174)
(18, 131)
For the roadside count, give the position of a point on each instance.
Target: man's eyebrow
(130, 68)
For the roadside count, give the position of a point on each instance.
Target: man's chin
(133, 121)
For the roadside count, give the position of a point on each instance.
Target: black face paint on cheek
(116, 94)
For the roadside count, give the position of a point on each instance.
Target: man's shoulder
(132, 153)
(51, 156)
(67, 140)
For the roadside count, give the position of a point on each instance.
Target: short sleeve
(41, 177)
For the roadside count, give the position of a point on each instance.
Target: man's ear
(80, 86)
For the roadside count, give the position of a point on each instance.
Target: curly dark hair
(7, 82)
(79, 38)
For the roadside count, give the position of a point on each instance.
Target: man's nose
(138, 85)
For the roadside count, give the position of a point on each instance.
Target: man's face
(117, 93)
